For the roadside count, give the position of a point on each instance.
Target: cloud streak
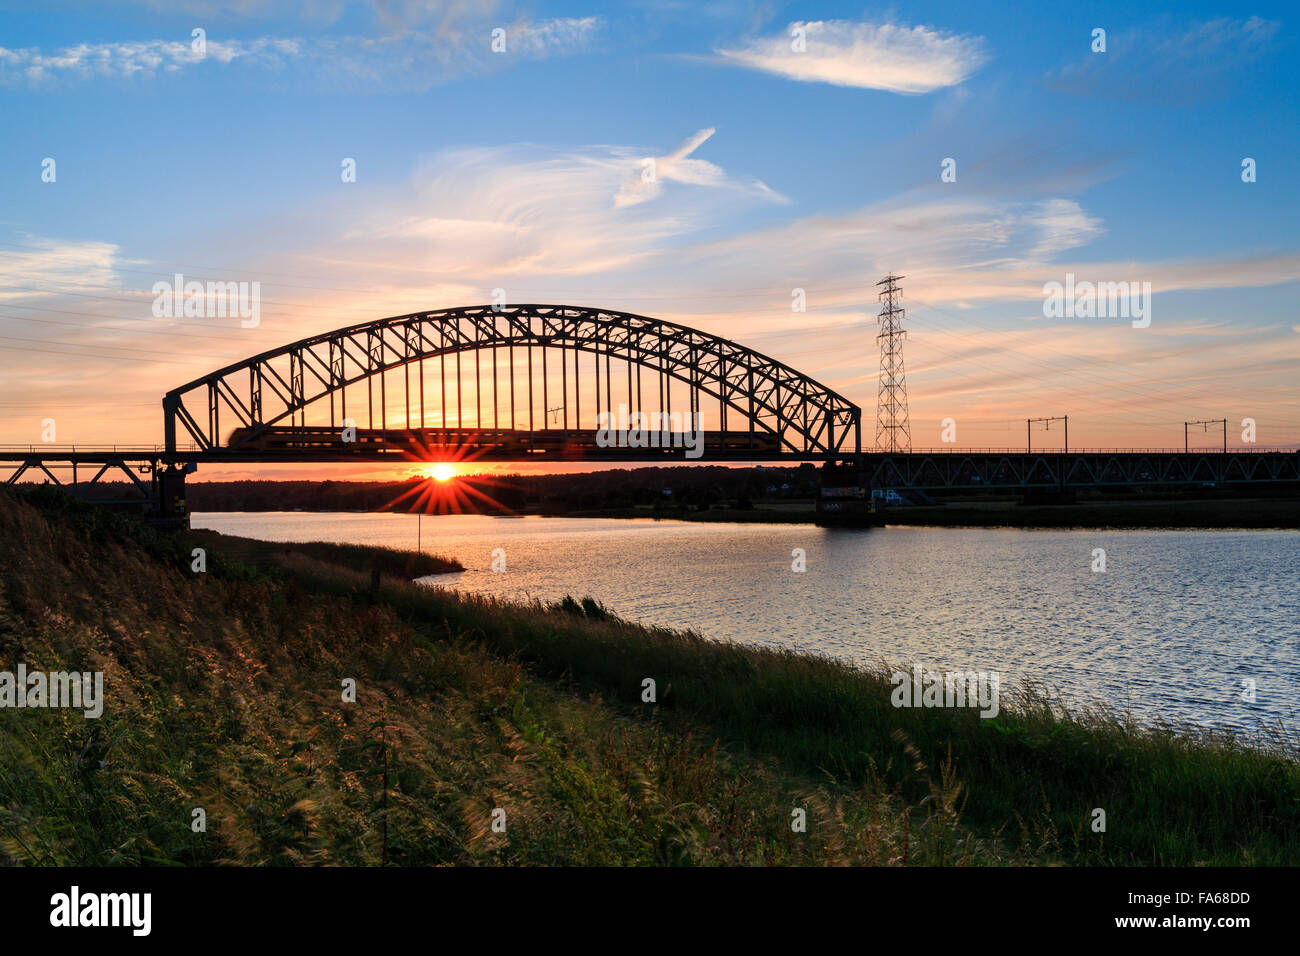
(418, 58)
(646, 183)
(884, 56)
(45, 264)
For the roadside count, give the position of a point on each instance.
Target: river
(1177, 626)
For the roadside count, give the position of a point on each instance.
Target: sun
(442, 472)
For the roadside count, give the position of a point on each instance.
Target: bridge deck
(925, 469)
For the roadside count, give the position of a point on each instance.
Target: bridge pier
(169, 509)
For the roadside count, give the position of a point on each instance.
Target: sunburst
(438, 493)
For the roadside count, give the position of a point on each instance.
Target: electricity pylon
(893, 431)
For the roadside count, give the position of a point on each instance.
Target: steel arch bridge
(551, 371)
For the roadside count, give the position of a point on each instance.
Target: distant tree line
(660, 488)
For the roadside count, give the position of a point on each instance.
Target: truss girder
(804, 414)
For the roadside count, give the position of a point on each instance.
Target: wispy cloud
(973, 250)
(547, 37)
(410, 59)
(43, 266)
(883, 56)
(541, 225)
(646, 182)
(483, 216)
(1062, 225)
(1169, 64)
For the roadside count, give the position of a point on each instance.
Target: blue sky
(519, 170)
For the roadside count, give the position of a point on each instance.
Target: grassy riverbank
(223, 692)
(263, 555)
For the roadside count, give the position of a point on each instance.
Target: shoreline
(1235, 514)
(1238, 514)
(264, 553)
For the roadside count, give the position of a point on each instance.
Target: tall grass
(223, 693)
(1035, 774)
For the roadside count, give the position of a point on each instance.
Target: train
(549, 443)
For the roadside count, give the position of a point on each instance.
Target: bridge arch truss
(605, 358)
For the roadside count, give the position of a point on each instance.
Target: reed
(224, 693)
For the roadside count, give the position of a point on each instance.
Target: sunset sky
(777, 170)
